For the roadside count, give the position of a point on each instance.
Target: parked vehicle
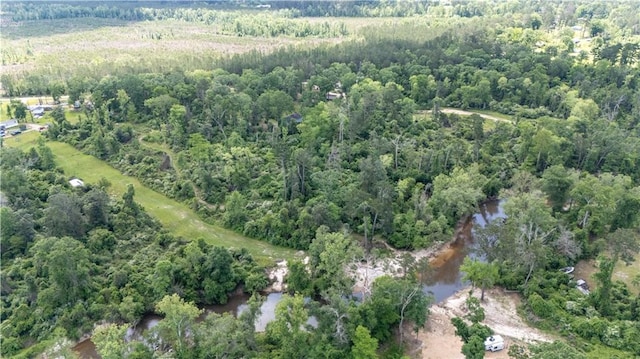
(567, 270)
(494, 343)
(582, 286)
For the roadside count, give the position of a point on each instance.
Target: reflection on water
(236, 305)
(446, 278)
(443, 282)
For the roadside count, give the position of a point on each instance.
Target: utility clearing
(176, 217)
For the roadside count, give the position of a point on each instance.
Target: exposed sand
(438, 338)
(365, 273)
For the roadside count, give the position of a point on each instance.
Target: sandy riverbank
(439, 341)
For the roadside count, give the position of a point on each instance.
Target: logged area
(169, 170)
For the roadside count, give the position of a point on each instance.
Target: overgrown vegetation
(303, 146)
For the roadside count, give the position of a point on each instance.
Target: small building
(494, 343)
(75, 182)
(8, 124)
(333, 95)
(37, 111)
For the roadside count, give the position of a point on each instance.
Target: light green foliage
(110, 341)
(19, 110)
(596, 199)
(161, 105)
(555, 350)
(222, 336)
(179, 319)
(476, 312)
(457, 194)
(473, 337)
(328, 254)
(64, 263)
(396, 301)
(480, 274)
(474, 348)
(364, 346)
(273, 105)
(529, 225)
(298, 278)
(556, 183)
(624, 244)
(287, 332)
(176, 129)
(63, 217)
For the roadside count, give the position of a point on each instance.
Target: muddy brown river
(442, 283)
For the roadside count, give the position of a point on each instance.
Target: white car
(567, 270)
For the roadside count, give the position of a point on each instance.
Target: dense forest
(334, 149)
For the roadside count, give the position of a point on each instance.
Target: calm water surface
(444, 281)
(446, 278)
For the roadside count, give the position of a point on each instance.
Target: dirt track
(469, 113)
(440, 342)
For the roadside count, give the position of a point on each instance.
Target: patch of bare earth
(439, 341)
(365, 273)
(469, 113)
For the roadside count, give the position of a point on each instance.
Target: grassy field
(178, 218)
(627, 274)
(109, 44)
(585, 269)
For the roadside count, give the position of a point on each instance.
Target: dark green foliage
(112, 269)
(472, 335)
(257, 145)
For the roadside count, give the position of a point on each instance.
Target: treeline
(29, 11)
(546, 14)
(612, 26)
(237, 23)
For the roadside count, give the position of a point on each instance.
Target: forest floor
(439, 341)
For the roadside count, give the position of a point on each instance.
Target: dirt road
(469, 113)
(439, 340)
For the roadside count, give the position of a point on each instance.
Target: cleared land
(585, 269)
(440, 341)
(176, 217)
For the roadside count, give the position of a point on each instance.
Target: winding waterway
(445, 280)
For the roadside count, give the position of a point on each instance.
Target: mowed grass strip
(176, 217)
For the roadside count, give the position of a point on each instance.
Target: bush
(541, 307)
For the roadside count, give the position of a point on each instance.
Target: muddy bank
(443, 278)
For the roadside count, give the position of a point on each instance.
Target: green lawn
(585, 269)
(178, 218)
(23, 141)
(627, 274)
